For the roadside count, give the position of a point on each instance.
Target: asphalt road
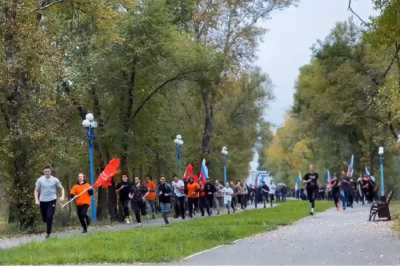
(329, 238)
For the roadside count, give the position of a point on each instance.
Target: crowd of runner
(184, 198)
(148, 197)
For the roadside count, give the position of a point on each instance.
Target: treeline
(148, 70)
(346, 102)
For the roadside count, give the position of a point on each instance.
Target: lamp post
(178, 146)
(381, 152)
(90, 124)
(224, 152)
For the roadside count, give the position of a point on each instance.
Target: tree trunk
(21, 194)
(208, 123)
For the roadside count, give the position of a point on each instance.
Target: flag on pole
(105, 178)
(367, 173)
(188, 172)
(203, 172)
(328, 176)
(350, 167)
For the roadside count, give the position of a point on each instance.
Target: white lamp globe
(86, 123)
(90, 117)
(381, 150)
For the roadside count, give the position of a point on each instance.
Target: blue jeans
(344, 195)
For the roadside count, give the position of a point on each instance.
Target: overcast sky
(286, 46)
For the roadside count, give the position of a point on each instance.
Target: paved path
(329, 238)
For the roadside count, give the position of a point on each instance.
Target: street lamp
(381, 152)
(224, 152)
(90, 124)
(178, 146)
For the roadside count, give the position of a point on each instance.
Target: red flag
(188, 172)
(105, 178)
(195, 178)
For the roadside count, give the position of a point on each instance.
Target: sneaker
(84, 231)
(311, 213)
(127, 221)
(47, 236)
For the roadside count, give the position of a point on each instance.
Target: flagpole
(75, 197)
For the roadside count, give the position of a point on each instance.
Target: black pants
(82, 215)
(180, 206)
(192, 204)
(125, 208)
(137, 208)
(204, 206)
(47, 209)
(311, 195)
(336, 197)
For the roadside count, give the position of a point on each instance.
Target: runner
(345, 186)
(311, 183)
(193, 195)
(143, 190)
(203, 200)
(245, 194)
(334, 188)
(150, 197)
(45, 194)
(265, 193)
(272, 191)
(179, 192)
(219, 196)
(83, 201)
(209, 189)
(228, 192)
(164, 196)
(124, 189)
(136, 198)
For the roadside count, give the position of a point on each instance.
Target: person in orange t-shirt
(151, 196)
(193, 189)
(83, 201)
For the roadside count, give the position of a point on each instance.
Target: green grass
(395, 212)
(157, 244)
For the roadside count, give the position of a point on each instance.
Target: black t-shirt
(164, 193)
(312, 177)
(209, 189)
(345, 184)
(265, 189)
(124, 192)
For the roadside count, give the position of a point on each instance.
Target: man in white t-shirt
(46, 189)
(179, 192)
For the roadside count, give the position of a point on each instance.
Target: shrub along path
(159, 243)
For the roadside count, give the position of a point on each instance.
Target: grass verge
(157, 244)
(395, 212)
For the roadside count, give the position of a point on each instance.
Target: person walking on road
(311, 183)
(46, 189)
(84, 191)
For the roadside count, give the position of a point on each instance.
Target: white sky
(286, 46)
